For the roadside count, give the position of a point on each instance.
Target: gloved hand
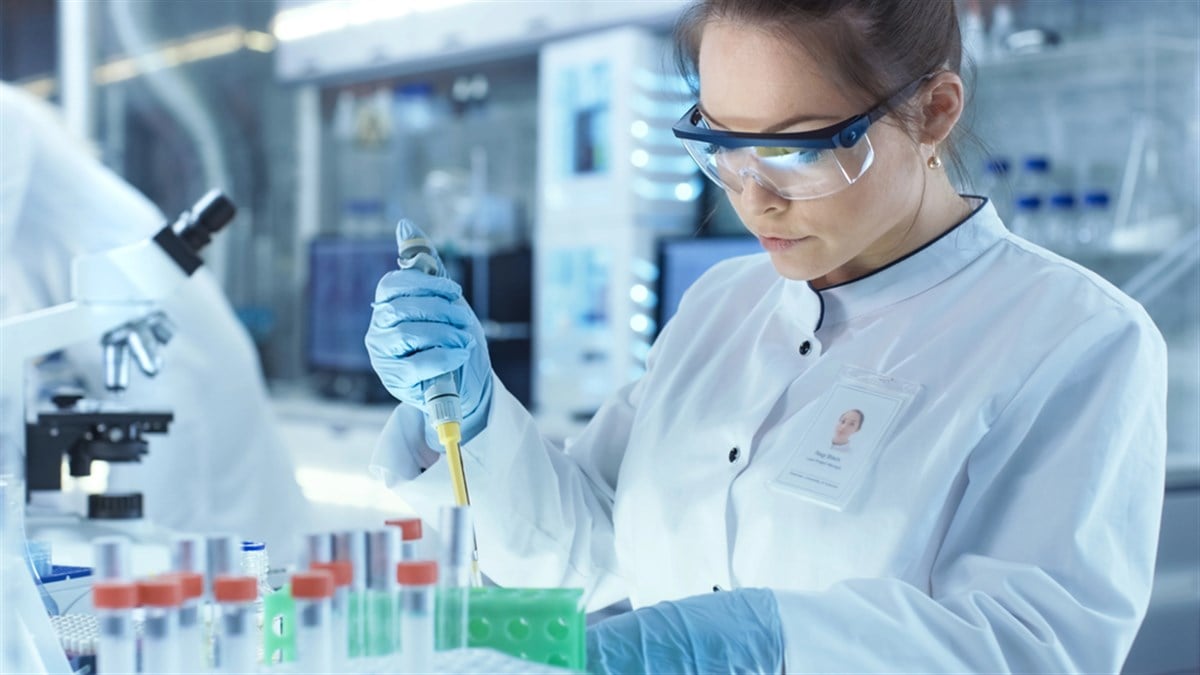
(421, 328)
(735, 631)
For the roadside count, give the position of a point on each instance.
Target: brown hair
(875, 47)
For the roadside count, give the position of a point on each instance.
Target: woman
(1009, 519)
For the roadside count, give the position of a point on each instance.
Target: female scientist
(1007, 518)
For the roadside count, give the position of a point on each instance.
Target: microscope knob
(66, 399)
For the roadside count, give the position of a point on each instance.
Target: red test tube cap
(160, 592)
(235, 589)
(314, 585)
(410, 528)
(342, 571)
(114, 595)
(192, 583)
(417, 572)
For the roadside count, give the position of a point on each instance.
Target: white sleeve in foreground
(1048, 562)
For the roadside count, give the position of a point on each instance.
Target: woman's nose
(757, 197)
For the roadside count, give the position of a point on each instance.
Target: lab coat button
(734, 454)
(805, 348)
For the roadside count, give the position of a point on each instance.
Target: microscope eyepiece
(209, 215)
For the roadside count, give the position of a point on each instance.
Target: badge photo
(835, 453)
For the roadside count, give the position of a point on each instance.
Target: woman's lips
(776, 244)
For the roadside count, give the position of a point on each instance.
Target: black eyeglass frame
(844, 134)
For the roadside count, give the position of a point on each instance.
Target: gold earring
(934, 162)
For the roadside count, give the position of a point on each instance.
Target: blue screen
(344, 273)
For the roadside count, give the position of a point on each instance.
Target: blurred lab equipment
(427, 614)
(610, 184)
(59, 203)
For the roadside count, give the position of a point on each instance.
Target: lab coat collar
(916, 272)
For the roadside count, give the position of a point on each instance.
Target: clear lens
(791, 172)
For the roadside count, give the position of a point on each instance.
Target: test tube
(111, 559)
(454, 582)
(351, 547)
(116, 648)
(339, 606)
(237, 629)
(192, 640)
(382, 546)
(417, 579)
(312, 592)
(223, 557)
(317, 548)
(410, 536)
(187, 553)
(160, 598)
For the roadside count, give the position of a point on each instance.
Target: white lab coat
(1009, 522)
(222, 465)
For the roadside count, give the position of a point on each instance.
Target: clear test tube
(454, 581)
(116, 648)
(187, 553)
(410, 536)
(317, 548)
(193, 644)
(416, 611)
(111, 558)
(312, 592)
(343, 576)
(351, 547)
(382, 549)
(160, 598)
(237, 624)
(222, 558)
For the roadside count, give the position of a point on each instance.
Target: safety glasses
(800, 165)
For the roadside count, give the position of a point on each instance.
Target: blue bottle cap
(1030, 202)
(1037, 163)
(1097, 198)
(253, 546)
(1063, 200)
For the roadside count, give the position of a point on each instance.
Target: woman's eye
(778, 155)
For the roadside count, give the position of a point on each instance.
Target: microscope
(115, 293)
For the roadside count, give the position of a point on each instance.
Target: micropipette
(442, 403)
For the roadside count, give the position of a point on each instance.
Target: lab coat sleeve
(1048, 561)
(543, 515)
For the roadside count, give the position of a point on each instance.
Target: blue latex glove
(722, 632)
(421, 328)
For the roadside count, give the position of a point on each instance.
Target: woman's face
(752, 81)
(848, 425)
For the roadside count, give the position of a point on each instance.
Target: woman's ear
(941, 106)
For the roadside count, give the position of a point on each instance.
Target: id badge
(837, 451)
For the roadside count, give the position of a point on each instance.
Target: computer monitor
(682, 261)
(343, 273)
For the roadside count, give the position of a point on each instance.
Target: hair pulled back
(871, 48)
